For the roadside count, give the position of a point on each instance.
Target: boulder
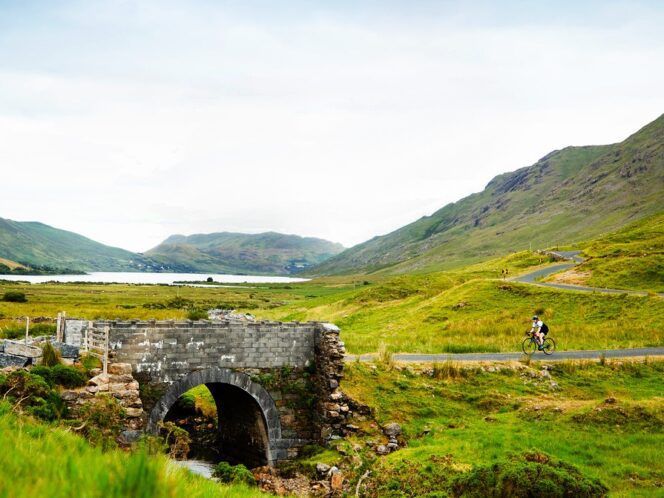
(382, 450)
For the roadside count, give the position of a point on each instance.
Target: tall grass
(40, 460)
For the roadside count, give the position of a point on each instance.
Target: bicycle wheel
(529, 346)
(549, 346)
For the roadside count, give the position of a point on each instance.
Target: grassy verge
(42, 460)
(605, 419)
(631, 258)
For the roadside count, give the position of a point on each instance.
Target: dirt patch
(573, 276)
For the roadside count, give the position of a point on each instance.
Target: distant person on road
(539, 330)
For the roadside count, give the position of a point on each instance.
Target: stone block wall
(299, 365)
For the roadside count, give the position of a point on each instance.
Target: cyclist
(539, 330)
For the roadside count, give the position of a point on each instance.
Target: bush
(104, 419)
(530, 474)
(34, 394)
(14, 297)
(50, 355)
(177, 440)
(233, 474)
(90, 361)
(194, 314)
(60, 375)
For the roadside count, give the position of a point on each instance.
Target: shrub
(67, 376)
(195, 314)
(50, 356)
(34, 394)
(530, 474)
(89, 362)
(233, 474)
(103, 420)
(177, 440)
(14, 297)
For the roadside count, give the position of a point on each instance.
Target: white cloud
(131, 121)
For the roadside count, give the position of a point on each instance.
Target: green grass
(467, 310)
(631, 258)
(49, 461)
(478, 418)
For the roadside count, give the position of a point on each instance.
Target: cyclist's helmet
(535, 317)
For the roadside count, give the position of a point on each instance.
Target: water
(152, 278)
(200, 467)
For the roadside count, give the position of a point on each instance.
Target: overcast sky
(128, 121)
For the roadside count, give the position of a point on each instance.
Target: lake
(153, 278)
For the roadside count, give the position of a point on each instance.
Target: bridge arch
(249, 421)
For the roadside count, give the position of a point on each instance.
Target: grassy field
(631, 258)
(49, 461)
(605, 419)
(468, 310)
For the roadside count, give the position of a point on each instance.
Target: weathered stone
(98, 380)
(392, 430)
(129, 436)
(337, 481)
(134, 412)
(382, 450)
(17, 348)
(69, 395)
(322, 469)
(119, 369)
(66, 350)
(10, 360)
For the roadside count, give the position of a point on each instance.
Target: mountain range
(42, 247)
(569, 195)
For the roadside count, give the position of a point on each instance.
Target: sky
(129, 121)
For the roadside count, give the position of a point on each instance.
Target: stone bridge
(275, 384)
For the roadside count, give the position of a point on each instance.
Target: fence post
(58, 325)
(27, 328)
(63, 327)
(86, 340)
(106, 329)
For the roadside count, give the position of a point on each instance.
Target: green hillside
(567, 196)
(37, 244)
(226, 252)
(631, 258)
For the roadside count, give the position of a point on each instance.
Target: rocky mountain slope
(569, 195)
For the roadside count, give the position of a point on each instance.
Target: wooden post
(64, 326)
(58, 325)
(27, 328)
(86, 340)
(106, 329)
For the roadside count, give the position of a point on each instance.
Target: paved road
(557, 356)
(574, 258)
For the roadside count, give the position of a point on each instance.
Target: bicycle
(530, 345)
